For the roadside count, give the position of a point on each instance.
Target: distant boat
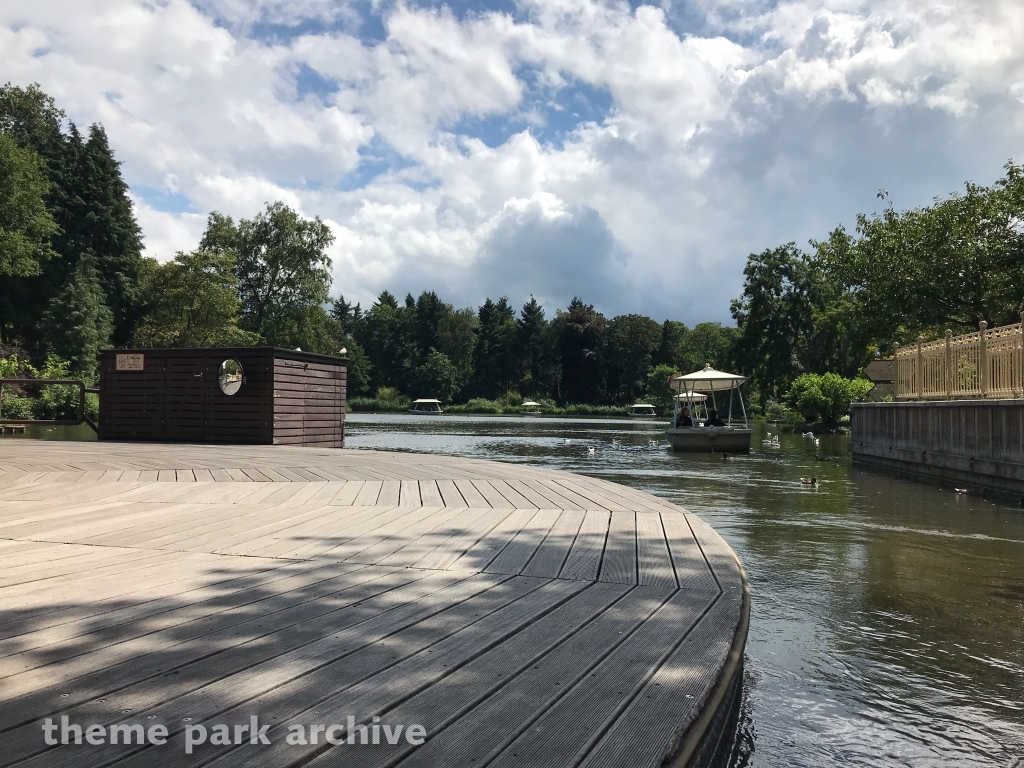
(426, 407)
(643, 411)
(531, 408)
(728, 436)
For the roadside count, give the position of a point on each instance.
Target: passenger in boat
(683, 419)
(713, 420)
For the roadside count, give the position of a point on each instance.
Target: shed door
(184, 400)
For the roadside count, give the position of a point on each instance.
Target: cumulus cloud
(450, 151)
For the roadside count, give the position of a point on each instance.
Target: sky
(630, 154)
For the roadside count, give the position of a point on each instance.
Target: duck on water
(711, 434)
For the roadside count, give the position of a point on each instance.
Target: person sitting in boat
(713, 420)
(684, 420)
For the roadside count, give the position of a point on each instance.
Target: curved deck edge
(704, 740)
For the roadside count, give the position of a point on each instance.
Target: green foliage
(26, 225)
(633, 342)
(360, 370)
(496, 359)
(45, 402)
(193, 303)
(951, 264)
(388, 393)
(825, 399)
(795, 318)
(581, 348)
(438, 377)
(77, 323)
(89, 204)
(658, 390)
(283, 275)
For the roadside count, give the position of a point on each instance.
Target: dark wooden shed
(173, 395)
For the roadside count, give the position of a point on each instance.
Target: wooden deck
(524, 617)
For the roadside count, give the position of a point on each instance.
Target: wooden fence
(988, 363)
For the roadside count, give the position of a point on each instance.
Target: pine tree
(78, 323)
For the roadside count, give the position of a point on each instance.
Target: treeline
(426, 347)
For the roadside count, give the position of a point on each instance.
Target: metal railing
(81, 418)
(987, 363)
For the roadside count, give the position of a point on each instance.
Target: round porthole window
(230, 376)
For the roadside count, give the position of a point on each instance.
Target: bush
(825, 398)
(12, 407)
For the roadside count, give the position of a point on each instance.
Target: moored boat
(710, 433)
(426, 406)
(531, 408)
(643, 411)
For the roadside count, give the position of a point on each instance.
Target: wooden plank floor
(523, 617)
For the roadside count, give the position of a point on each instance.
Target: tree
(26, 224)
(496, 358)
(658, 389)
(456, 340)
(283, 275)
(98, 218)
(536, 345)
(707, 343)
(672, 334)
(194, 303)
(825, 398)
(952, 264)
(633, 341)
(437, 377)
(77, 323)
(580, 347)
(360, 369)
(388, 339)
(89, 203)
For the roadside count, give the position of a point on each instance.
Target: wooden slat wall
(288, 397)
(309, 403)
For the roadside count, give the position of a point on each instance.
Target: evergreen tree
(535, 344)
(496, 359)
(580, 347)
(89, 203)
(77, 323)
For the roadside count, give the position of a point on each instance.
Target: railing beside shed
(983, 364)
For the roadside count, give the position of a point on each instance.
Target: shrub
(825, 398)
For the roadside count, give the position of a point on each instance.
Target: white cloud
(435, 153)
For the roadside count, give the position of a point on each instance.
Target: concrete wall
(977, 444)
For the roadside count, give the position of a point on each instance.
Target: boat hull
(709, 439)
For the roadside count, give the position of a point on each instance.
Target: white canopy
(642, 405)
(694, 396)
(530, 403)
(707, 380)
(427, 401)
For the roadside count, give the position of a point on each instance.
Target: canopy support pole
(730, 405)
(740, 393)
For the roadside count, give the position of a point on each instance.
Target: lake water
(887, 622)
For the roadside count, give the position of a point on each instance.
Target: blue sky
(632, 154)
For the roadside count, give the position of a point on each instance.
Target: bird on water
(809, 480)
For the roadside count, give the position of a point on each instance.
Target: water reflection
(888, 615)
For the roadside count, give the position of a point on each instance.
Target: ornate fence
(983, 364)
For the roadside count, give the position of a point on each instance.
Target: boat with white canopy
(731, 436)
(531, 408)
(426, 406)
